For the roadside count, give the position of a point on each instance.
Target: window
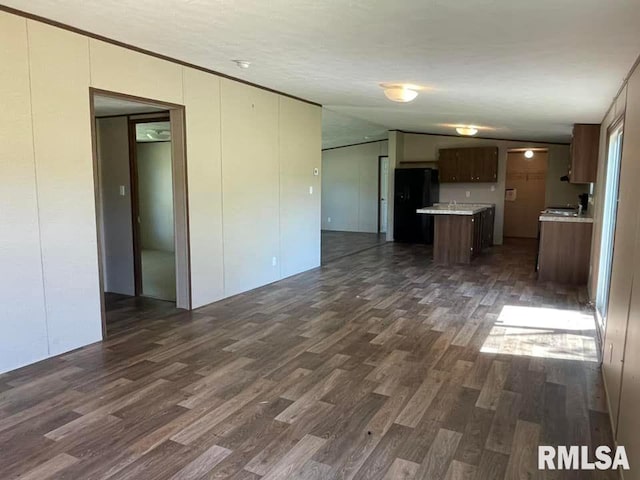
(612, 182)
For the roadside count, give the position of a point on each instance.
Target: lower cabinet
(460, 238)
(565, 248)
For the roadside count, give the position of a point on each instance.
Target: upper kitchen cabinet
(468, 165)
(584, 153)
(448, 166)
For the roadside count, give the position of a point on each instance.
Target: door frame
(380, 157)
(132, 121)
(180, 195)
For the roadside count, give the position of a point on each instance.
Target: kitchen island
(565, 248)
(461, 231)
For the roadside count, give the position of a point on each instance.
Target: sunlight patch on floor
(543, 332)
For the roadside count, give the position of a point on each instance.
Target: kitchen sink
(566, 212)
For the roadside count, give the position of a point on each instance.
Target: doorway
(152, 207)
(525, 191)
(609, 217)
(141, 199)
(383, 193)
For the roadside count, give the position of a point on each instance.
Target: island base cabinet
(454, 237)
(565, 248)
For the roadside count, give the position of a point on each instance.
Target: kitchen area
(547, 202)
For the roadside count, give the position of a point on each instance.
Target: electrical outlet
(123, 190)
(493, 188)
(328, 219)
(274, 261)
(468, 193)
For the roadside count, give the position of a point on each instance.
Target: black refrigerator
(414, 188)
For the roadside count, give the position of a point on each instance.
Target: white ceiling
(339, 129)
(527, 69)
(104, 106)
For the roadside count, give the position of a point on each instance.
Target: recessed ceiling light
(400, 93)
(528, 153)
(242, 63)
(468, 130)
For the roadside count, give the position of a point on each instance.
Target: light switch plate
(123, 190)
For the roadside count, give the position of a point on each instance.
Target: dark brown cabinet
(460, 238)
(585, 143)
(565, 249)
(448, 166)
(468, 165)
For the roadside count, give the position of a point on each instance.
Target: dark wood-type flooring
(336, 245)
(379, 365)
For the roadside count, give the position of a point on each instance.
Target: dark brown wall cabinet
(584, 153)
(468, 165)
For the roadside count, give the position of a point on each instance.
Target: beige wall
(23, 328)
(51, 265)
(112, 135)
(350, 187)
(621, 356)
(300, 190)
(422, 150)
(250, 193)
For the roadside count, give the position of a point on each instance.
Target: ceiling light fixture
(400, 93)
(468, 130)
(528, 154)
(242, 63)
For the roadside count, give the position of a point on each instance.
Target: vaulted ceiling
(522, 69)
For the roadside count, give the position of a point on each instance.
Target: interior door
(384, 192)
(525, 193)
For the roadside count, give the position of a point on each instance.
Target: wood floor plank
(492, 388)
(419, 403)
(402, 470)
(50, 468)
(202, 464)
(440, 455)
(523, 461)
(500, 438)
(461, 471)
(295, 459)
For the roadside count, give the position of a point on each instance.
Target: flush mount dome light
(528, 153)
(467, 130)
(242, 63)
(400, 93)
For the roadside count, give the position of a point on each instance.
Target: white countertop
(455, 209)
(554, 217)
